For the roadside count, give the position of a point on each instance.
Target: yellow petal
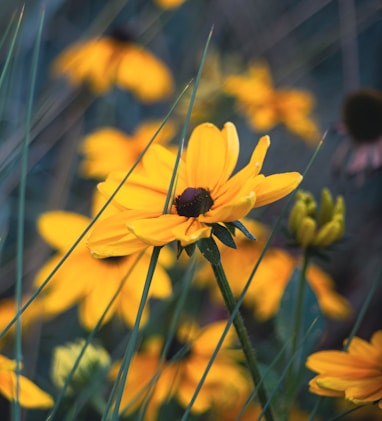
(211, 156)
(111, 237)
(275, 187)
(61, 229)
(30, 395)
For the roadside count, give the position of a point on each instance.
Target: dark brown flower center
(362, 115)
(177, 350)
(193, 202)
(122, 34)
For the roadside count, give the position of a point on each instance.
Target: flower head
(361, 150)
(355, 374)
(91, 283)
(109, 149)
(30, 395)
(179, 373)
(265, 107)
(207, 195)
(114, 60)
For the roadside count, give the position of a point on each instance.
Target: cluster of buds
(313, 227)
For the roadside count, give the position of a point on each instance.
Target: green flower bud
(328, 234)
(326, 208)
(306, 231)
(296, 215)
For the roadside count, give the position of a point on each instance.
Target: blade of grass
(21, 215)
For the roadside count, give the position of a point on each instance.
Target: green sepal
(209, 250)
(224, 235)
(240, 227)
(190, 249)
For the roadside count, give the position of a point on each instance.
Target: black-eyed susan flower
(361, 150)
(115, 60)
(207, 195)
(355, 374)
(91, 283)
(109, 149)
(178, 375)
(29, 394)
(271, 278)
(265, 107)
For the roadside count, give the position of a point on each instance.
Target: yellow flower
(271, 278)
(108, 149)
(265, 107)
(180, 372)
(89, 282)
(206, 193)
(355, 374)
(169, 4)
(112, 60)
(30, 395)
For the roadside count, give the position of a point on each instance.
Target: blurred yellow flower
(94, 364)
(169, 4)
(206, 193)
(180, 372)
(30, 395)
(110, 60)
(355, 374)
(265, 107)
(109, 149)
(271, 277)
(89, 282)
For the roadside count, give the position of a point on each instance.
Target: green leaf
(209, 249)
(240, 227)
(224, 235)
(312, 321)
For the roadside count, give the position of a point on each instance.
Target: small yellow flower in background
(109, 149)
(355, 374)
(271, 277)
(94, 363)
(114, 60)
(30, 395)
(169, 4)
(315, 228)
(265, 107)
(91, 283)
(179, 374)
(207, 194)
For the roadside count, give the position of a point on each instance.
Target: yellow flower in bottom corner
(265, 107)
(30, 395)
(155, 381)
(355, 374)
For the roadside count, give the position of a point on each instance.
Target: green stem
(300, 302)
(242, 334)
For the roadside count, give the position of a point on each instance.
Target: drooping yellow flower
(180, 372)
(265, 107)
(30, 395)
(206, 193)
(355, 374)
(112, 60)
(91, 283)
(271, 277)
(109, 149)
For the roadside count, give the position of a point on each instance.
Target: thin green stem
(242, 334)
(300, 302)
